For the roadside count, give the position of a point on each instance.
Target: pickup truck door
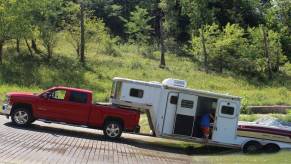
(50, 106)
(78, 107)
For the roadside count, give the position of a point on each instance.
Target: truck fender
(23, 105)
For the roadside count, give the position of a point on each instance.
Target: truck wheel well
(21, 105)
(114, 119)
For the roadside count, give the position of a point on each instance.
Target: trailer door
(225, 125)
(186, 110)
(170, 113)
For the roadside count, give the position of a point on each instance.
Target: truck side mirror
(44, 96)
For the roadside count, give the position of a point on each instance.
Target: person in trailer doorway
(205, 125)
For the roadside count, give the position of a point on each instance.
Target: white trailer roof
(152, 84)
(189, 90)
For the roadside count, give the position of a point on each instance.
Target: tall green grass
(25, 72)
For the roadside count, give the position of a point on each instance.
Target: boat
(267, 129)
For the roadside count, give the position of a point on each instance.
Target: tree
(7, 19)
(278, 18)
(82, 33)
(207, 37)
(228, 48)
(262, 40)
(138, 26)
(167, 18)
(200, 15)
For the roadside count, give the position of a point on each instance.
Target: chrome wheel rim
(112, 130)
(21, 117)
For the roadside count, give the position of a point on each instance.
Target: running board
(62, 123)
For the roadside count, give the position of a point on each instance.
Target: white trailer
(174, 111)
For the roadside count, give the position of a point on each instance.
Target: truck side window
(78, 97)
(136, 93)
(227, 110)
(58, 95)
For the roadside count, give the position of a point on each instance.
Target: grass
(34, 72)
(24, 72)
(233, 158)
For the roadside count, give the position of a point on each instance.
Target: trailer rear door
(226, 119)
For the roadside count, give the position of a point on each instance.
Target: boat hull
(263, 132)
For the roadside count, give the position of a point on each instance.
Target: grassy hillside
(25, 72)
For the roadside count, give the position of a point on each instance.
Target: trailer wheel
(271, 148)
(252, 147)
(112, 129)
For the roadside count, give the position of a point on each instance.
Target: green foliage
(230, 49)
(255, 50)
(198, 12)
(138, 26)
(222, 46)
(47, 18)
(8, 19)
(64, 69)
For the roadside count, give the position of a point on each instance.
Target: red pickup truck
(71, 106)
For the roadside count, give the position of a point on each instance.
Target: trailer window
(78, 97)
(174, 100)
(187, 104)
(136, 93)
(227, 110)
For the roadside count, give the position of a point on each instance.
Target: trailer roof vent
(175, 82)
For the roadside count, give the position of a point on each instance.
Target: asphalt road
(55, 143)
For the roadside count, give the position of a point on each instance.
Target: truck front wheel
(21, 117)
(112, 129)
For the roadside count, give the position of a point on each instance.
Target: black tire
(271, 148)
(21, 117)
(112, 129)
(252, 147)
(136, 129)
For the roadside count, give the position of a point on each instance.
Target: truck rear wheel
(252, 147)
(21, 117)
(112, 129)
